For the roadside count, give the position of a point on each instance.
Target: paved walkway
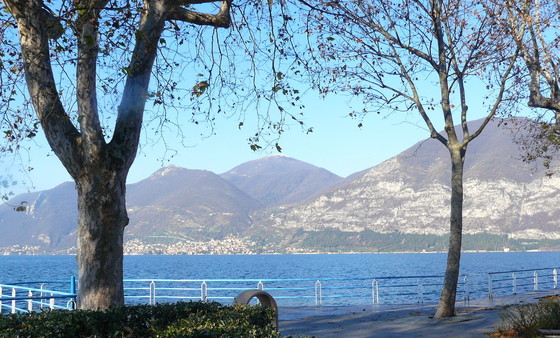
(479, 318)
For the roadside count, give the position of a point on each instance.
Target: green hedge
(192, 319)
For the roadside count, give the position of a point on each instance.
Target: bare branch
(86, 73)
(221, 19)
(131, 109)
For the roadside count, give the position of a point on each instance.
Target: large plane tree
(441, 59)
(86, 62)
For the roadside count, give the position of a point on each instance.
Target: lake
(313, 267)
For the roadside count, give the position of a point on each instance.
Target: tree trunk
(448, 295)
(101, 222)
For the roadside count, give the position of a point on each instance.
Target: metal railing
(31, 296)
(37, 295)
(521, 281)
(295, 292)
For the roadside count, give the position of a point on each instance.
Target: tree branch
(221, 19)
(62, 135)
(503, 82)
(86, 74)
(124, 143)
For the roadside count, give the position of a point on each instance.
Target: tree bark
(101, 222)
(448, 295)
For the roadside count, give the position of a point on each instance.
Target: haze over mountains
(279, 204)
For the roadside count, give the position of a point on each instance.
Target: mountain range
(280, 204)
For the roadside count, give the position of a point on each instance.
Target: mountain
(190, 204)
(172, 205)
(279, 204)
(409, 194)
(277, 180)
(48, 224)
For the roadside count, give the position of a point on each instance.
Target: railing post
(73, 290)
(514, 280)
(260, 286)
(152, 293)
(30, 301)
(73, 285)
(52, 302)
(467, 297)
(204, 292)
(13, 300)
(490, 287)
(554, 278)
(1, 295)
(375, 292)
(420, 291)
(535, 281)
(41, 300)
(318, 293)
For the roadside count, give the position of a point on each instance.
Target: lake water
(320, 266)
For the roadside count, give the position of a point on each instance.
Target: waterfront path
(478, 318)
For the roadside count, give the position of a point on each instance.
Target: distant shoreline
(285, 253)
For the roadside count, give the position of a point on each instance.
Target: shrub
(526, 320)
(184, 319)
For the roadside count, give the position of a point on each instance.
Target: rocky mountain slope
(410, 194)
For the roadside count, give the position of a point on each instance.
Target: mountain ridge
(280, 204)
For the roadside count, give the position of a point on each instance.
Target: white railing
(521, 281)
(31, 296)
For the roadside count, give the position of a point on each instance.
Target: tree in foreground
(435, 57)
(71, 53)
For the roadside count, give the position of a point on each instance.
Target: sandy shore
(478, 318)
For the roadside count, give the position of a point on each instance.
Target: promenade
(478, 318)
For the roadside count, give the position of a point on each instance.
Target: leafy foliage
(168, 320)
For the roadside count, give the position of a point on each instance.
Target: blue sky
(336, 144)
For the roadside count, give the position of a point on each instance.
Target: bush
(192, 319)
(526, 320)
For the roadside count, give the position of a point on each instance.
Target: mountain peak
(275, 156)
(279, 179)
(170, 169)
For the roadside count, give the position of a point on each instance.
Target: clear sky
(336, 144)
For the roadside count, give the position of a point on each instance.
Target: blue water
(324, 266)
(22, 268)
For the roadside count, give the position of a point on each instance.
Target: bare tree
(72, 52)
(433, 57)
